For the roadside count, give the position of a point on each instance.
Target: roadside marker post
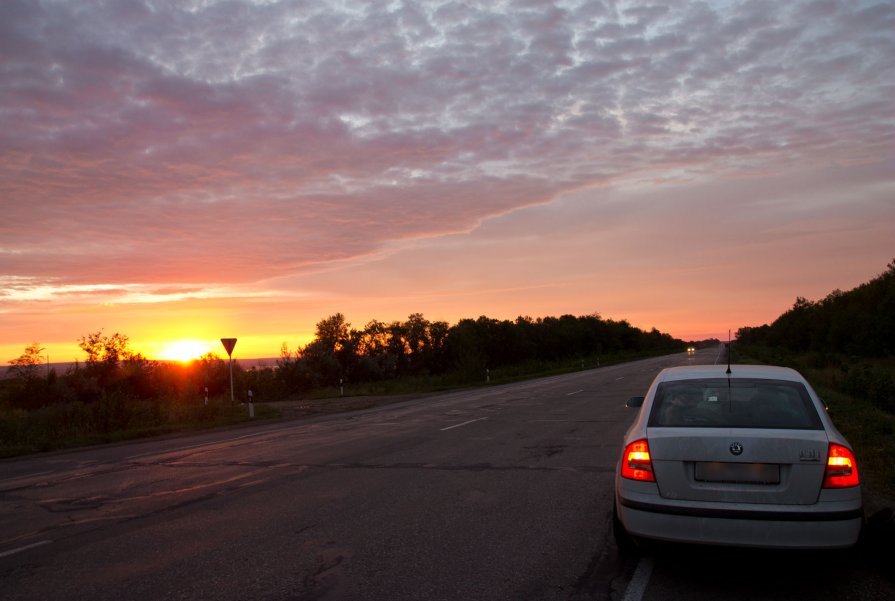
(229, 345)
(251, 404)
(206, 396)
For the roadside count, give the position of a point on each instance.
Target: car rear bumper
(769, 528)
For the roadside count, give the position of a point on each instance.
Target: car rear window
(734, 403)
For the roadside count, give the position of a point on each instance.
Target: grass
(73, 425)
(425, 384)
(870, 430)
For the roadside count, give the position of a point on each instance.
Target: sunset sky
(201, 169)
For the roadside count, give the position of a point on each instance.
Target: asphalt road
(502, 492)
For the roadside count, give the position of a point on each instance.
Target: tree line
(338, 354)
(846, 338)
(419, 347)
(860, 322)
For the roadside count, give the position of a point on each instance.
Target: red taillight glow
(636, 463)
(842, 469)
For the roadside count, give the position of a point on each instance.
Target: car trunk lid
(764, 466)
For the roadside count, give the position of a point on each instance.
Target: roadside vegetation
(116, 393)
(845, 345)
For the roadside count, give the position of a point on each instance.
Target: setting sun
(184, 350)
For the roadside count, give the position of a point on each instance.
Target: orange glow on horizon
(183, 350)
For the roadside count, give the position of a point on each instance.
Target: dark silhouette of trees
(113, 374)
(850, 334)
(860, 322)
(28, 388)
(419, 347)
(26, 367)
(112, 365)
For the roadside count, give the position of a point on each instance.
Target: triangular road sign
(229, 343)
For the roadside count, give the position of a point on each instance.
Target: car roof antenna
(728, 352)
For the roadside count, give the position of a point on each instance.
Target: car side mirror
(635, 401)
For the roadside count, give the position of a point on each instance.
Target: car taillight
(842, 469)
(636, 462)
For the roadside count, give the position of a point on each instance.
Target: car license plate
(737, 473)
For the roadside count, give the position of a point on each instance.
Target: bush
(873, 383)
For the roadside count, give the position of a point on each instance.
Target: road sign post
(229, 344)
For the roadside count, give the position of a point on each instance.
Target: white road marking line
(25, 548)
(253, 435)
(574, 393)
(639, 580)
(619, 378)
(463, 424)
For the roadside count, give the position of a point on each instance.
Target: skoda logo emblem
(736, 448)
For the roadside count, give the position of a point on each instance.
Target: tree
(372, 341)
(27, 366)
(436, 351)
(293, 371)
(331, 355)
(333, 332)
(105, 349)
(29, 390)
(464, 347)
(105, 354)
(372, 345)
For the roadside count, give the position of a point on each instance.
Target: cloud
(232, 142)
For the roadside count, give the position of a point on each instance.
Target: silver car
(744, 455)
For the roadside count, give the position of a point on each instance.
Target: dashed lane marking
(25, 548)
(463, 424)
